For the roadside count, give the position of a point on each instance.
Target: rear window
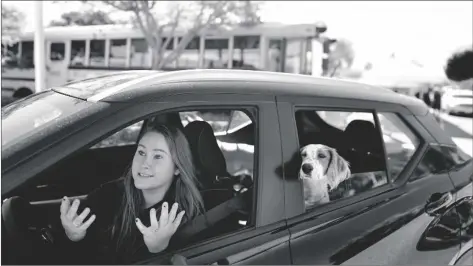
(31, 114)
(89, 87)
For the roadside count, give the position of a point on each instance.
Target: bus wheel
(21, 93)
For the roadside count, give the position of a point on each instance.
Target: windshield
(29, 115)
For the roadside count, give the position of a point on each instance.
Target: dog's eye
(321, 155)
(304, 154)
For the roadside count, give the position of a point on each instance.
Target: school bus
(77, 52)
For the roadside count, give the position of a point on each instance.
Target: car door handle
(438, 202)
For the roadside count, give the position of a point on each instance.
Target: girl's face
(152, 165)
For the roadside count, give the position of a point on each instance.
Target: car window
(438, 160)
(399, 141)
(355, 138)
(126, 136)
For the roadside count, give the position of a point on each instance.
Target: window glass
(190, 56)
(293, 53)
(58, 51)
(438, 160)
(356, 140)
(10, 54)
(97, 53)
(233, 138)
(77, 53)
(246, 53)
(216, 53)
(117, 53)
(399, 141)
(27, 54)
(140, 54)
(126, 136)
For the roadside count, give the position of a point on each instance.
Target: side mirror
(178, 259)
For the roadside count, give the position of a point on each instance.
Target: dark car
(408, 201)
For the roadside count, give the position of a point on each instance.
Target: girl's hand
(157, 236)
(72, 223)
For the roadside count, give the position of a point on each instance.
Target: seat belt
(211, 217)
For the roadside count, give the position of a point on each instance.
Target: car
(408, 201)
(457, 101)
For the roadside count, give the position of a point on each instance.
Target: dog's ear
(338, 169)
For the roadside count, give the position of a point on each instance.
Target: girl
(137, 215)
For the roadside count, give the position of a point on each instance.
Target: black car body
(409, 200)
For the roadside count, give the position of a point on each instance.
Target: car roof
(124, 86)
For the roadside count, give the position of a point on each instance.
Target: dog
(321, 171)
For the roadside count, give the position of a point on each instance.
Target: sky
(427, 31)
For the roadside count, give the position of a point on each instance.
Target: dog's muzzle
(307, 168)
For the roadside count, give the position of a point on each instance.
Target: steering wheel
(25, 234)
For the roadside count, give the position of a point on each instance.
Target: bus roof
(128, 31)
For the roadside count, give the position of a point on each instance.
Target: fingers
(173, 212)
(79, 219)
(86, 225)
(178, 220)
(65, 205)
(152, 217)
(72, 212)
(140, 226)
(163, 220)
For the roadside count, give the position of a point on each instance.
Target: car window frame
(287, 106)
(134, 112)
(378, 128)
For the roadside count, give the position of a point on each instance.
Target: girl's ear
(177, 172)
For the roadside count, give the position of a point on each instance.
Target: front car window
(31, 114)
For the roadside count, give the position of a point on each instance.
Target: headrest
(362, 133)
(207, 155)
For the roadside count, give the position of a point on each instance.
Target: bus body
(77, 52)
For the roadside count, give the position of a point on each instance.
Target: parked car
(457, 101)
(408, 201)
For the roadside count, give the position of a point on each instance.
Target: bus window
(97, 53)
(117, 53)
(293, 53)
(10, 55)
(27, 54)
(77, 53)
(168, 51)
(190, 56)
(246, 54)
(58, 51)
(140, 54)
(216, 53)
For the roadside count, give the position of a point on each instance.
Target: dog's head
(320, 161)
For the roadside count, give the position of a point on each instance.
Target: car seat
(363, 147)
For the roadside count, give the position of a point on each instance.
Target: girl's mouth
(144, 175)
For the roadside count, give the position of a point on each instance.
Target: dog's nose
(307, 168)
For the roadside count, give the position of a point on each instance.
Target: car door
(385, 224)
(266, 239)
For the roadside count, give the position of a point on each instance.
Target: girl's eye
(141, 153)
(158, 157)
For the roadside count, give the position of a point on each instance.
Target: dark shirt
(98, 246)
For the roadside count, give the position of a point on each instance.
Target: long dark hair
(185, 185)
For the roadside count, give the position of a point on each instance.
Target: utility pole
(39, 49)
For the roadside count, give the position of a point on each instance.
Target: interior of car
(32, 215)
(359, 143)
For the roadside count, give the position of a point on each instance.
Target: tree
(83, 19)
(191, 17)
(13, 20)
(341, 57)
